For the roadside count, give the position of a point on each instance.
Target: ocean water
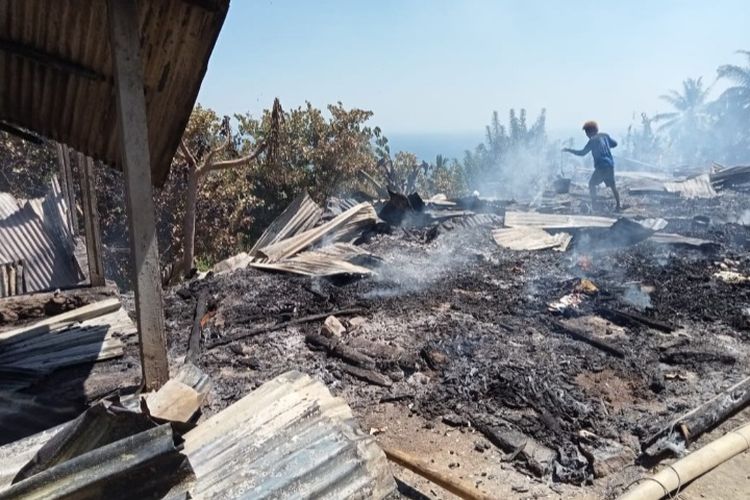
(427, 145)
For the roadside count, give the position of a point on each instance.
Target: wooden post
(91, 219)
(66, 186)
(124, 38)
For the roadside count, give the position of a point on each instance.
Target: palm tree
(690, 105)
(732, 110)
(689, 124)
(740, 93)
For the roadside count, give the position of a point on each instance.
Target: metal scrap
(530, 238)
(296, 438)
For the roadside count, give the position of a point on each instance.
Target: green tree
(512, 161)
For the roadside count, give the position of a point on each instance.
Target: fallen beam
(627, 318)
(676, 475)
(195, 333)
(676, 436)
(338, 349)
(281, 326)
(538, 459)
(38, 305)
(367, 375)
(585, 337)
(67, 318)
(420, 467)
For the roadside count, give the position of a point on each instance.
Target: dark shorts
(603, 174)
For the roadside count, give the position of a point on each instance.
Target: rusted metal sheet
(56, 74)
(290, 438)
(49, 264)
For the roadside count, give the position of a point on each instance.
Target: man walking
(604, 165)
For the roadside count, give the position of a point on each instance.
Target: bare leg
(592, 192)
(617, 198)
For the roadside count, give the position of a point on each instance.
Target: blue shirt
(599, 147)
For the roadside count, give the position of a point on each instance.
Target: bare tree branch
(227, 164)
(216, 150)
(187, 154)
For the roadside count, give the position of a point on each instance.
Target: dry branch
(282, 325)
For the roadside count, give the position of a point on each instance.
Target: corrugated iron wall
(35, 236)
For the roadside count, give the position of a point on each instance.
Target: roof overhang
(56, 76)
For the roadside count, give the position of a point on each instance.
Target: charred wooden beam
(195, 334)
(585, 337)
(280, 326)
(53, 61)
(538, 459)
(370, 376)
(627, 318)
(339, 350)
(676, 436)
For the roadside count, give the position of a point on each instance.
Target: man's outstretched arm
(580, 152)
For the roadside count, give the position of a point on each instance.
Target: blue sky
(443, 66)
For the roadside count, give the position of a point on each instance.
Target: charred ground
(460, 330)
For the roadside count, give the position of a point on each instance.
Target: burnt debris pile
(570, 340)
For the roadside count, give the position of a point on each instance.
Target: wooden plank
(627, 318)
(48, 304)
(175, 401)
(194, 342)
(429, 472)
(585, 337)
(91, 227)
(135, 158)
(67, 318)
(280, 326)
(66, 186)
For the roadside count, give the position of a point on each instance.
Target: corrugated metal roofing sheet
(555, 221)
(695, 187)
(346, 228)
(53, 210)
(48, 264)
(57, 75)
(88, 341)
(301, 214)
(287, 439)
(332, 260)
(530, 238)
(8, 204)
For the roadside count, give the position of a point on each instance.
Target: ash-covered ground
(461, 331)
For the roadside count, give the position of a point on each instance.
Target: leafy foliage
(512, 161)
